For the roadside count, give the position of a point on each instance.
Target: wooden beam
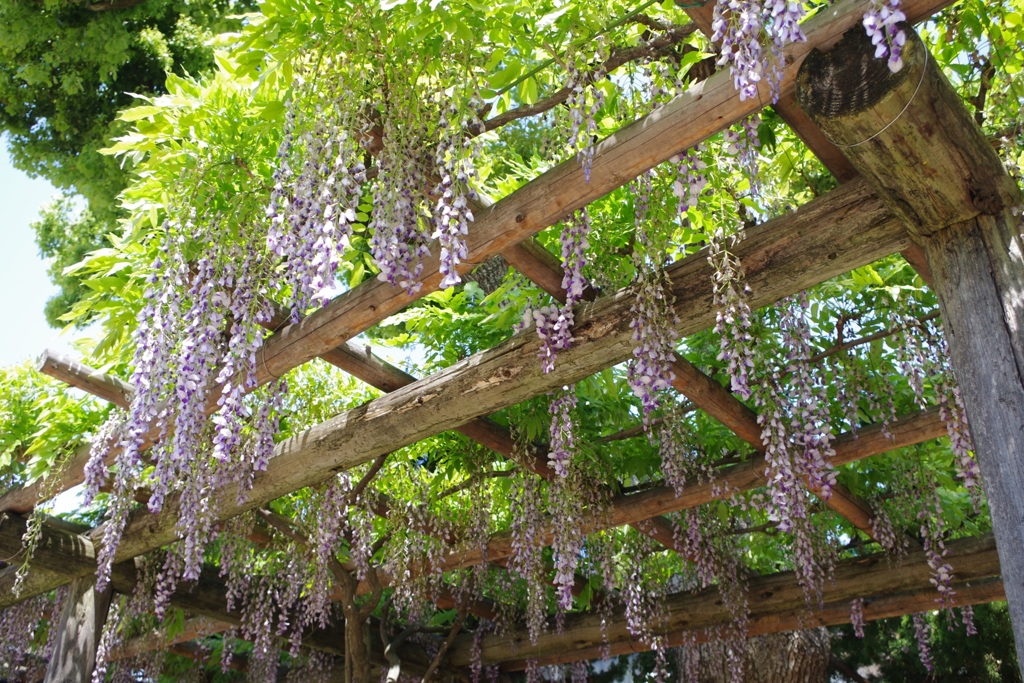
(661, 500)
(158, 639)
(828, 236)
(717, 401)
(776, 603)
(85, 378)
(911, 136)
(703, 110)
(81, 624)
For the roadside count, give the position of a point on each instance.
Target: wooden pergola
(917, 177)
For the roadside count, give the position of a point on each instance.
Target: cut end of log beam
(849, 79)
(908, 133)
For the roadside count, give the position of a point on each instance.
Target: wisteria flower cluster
(752, 36)
(691, 178)
(733, 316)
(923, 634)
(810, 422)
(453, 212)
(923, 357)
(585, 101)
(744, 145)
(880, 23)
(653, 315)
(401, 238)
(796, 437)
(554, 323)
(196, 349)
(312, 211)
(857, 616)
(563, 441)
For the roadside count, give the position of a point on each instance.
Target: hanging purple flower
(880, 23)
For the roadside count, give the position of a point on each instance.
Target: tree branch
(436, 662)
(657, 47)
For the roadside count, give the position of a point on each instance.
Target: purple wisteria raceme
(584, 101)
(691, 178)
(400, 239)
(554, 323)
(653, 315)
(527, 513)
(732, 319)
(857, 616)
(744, 145)
(452, 213)
(810, 422)
(563, 442)
(923, 635)
(752, 36)
(311, 212)
(954, 415)
(880, 23)
(568, 508)
(967, 616)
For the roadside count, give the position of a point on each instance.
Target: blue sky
(24, 286)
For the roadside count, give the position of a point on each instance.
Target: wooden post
(910, 135)
(81, 623)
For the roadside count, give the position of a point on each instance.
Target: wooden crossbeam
(661, 500)
(776, 603)
(83, 377)
(828, 236)
(703, 110)
(157, 639)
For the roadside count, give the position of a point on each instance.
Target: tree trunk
(794, 657)
(81, 623)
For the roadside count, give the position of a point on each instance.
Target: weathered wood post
(910, 135)
(81, 623)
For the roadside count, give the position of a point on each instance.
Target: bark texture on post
(81, 623)
(910, 135)
(793, 656)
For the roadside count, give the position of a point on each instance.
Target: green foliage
(40, 423)
(65, 236)
(68, 66)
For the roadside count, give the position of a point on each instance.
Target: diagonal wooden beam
(83, 377)
(719, 403)
(661, 500)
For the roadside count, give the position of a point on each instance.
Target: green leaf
(528, 91)
(142, 112)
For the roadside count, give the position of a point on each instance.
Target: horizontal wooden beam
(158, 639)
(703, 110)
(776, 603)
(830, 235)
(662, 500)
